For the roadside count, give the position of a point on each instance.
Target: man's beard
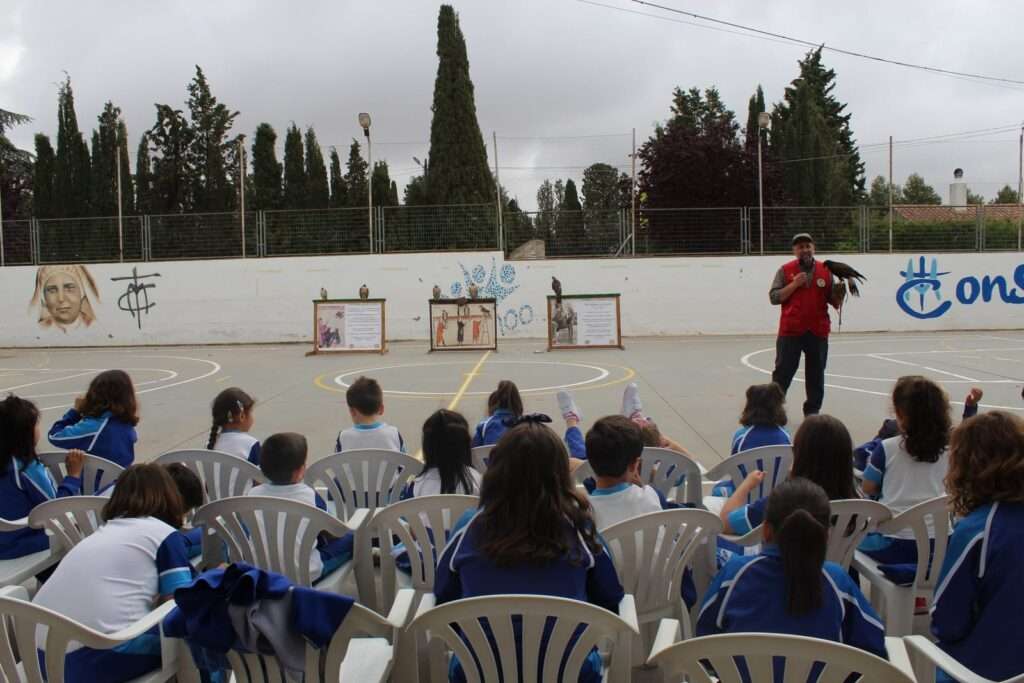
(807, 260)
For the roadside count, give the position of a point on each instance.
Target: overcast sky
(541, 68)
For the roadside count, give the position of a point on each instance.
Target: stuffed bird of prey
(473, 290)
(364, 292)
(323, 294)
(556, 287)
(848, 275)
(436, 292)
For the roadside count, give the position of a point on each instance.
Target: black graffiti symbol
(135, 299)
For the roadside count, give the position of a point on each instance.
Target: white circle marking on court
(602, 374)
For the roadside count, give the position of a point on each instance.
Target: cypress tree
(104, 162)
(212, 160)
(172, 176)
(458, 158)
(754, 107)
(339, 191)
(43, 178)
(812, 124)
(355, 178)
(266, 169)
(569, 231)
(318, 192)
(127, 189)
(143, 177)
(382, 186)
(295, 180)
(72, 182)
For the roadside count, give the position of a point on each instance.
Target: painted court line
(46, 381)
(470, 376)
(880, 356)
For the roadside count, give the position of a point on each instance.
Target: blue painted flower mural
(497, 284)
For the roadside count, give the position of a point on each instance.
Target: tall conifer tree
(72, 182)
(295, 181)
(339, 191)
(318, 192)
(43, 178)
(266, 169)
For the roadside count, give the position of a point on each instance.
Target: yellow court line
(470, 376)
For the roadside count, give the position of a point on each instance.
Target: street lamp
(764, 119)
(364, 121)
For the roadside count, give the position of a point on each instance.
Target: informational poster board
(348, 326)
(463, 324)
(585, 321)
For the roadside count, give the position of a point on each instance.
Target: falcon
(323, 294)
(437, 292)
(848, 275)
(364, 292)
(556, 287)
(473, 290)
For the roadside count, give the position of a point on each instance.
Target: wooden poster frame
(618, 322)
(466, 302)
(383, 326)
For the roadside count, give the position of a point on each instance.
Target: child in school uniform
(192, 497)
(130, 565)
(365, 401)
(789, 588)
(24, 481)
(232, 420)
(447, 465)
(614, 446)
(822, 449)
(979, 597)
(103, 421)
(532, 534)
(283, 462)
(504, 405)
(910, 468)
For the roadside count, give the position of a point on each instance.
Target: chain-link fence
(520, 234)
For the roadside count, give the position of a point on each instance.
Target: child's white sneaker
(631, 405)
(568, 407)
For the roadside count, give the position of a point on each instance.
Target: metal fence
(547, 234)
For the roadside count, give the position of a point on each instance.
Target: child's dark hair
(986, 462)
(922, 408)
(613, 443)
(111, 390)
(446, 448)
(799, 514)
(229, 406)
(282, 455)
(146, 490)
(189, 485)
(528, 497)
(766, 406)
(365, 396)
(18, 418)
(505, 397)
(650, 434)
(823, 453)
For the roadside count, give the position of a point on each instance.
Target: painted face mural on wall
(62, 295)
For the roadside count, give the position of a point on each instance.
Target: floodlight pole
(632, 194)
(364, 121)
(241, 186)
(763, 120)
(120, 223)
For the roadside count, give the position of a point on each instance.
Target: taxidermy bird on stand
(323, 294)
(364, 292)
(436, 292)
(556, 287)
(849, 281)
(473, 290)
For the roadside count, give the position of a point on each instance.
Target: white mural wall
(269, 300)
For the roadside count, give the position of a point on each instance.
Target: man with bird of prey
(805, 288)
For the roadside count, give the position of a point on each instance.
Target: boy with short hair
(365, 401)
(283, 462)
(614, 446)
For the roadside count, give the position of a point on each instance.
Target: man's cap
(802, 237)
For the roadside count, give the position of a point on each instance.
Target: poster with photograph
(591, 321)
(348, 325)
(463, 324)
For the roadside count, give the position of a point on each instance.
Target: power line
(850, 53)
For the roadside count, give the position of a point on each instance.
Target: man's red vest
(806, 310)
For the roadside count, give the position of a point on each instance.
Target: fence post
(979, 222)
(33, 233)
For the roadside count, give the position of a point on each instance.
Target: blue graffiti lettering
(904, 293)
(523, 310)
(968, 289)
(963, 295)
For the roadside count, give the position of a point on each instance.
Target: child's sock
(631, 405)
(568, 407)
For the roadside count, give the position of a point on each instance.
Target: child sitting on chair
(365, 401)
(283, 462)
(504, 405)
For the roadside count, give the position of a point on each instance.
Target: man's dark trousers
(787, 360)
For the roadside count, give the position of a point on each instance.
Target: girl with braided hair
(232, 419)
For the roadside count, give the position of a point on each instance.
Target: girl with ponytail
(789, 588)
(232, 419)
(504, 406)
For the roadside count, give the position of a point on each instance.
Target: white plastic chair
(894, 603)
(480, 456)
(368, 479)
(363, 650)
(223, 475)
(409, 521)
(274, 534)
(926, 656)
(20, 569)
(583, 472)
(97, 473)
(18, 635)
(662, 468)
(852, 520)
(759, 651)
(774, 461)
(68, 520)
(531, 612)
(651, 553)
